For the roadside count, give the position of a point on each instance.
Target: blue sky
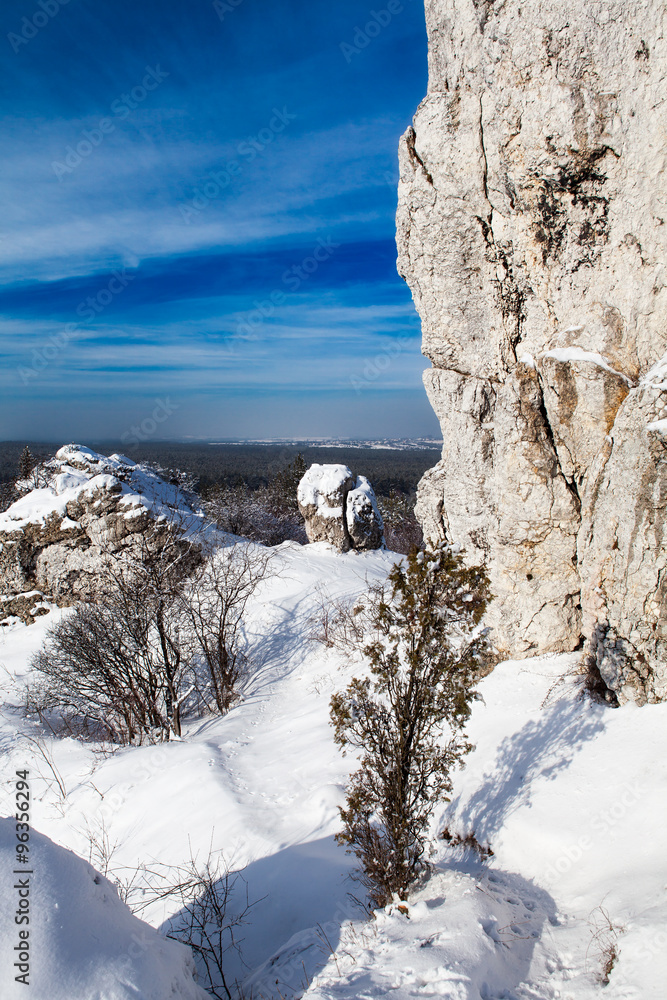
(199, 205)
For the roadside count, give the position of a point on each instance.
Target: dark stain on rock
(410, 139)
(484, 9)
(577, 185)
(565, 387)
(615, 391)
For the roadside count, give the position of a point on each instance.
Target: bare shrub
(127, 668)
(102, 669)
(213, 606)
(260, 515)
(213, 906)
(604, 943)
(339, 622)
(205, 922)
(118, 663)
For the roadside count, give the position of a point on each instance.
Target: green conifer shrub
(407, 717)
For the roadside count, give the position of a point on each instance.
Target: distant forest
(253, 464)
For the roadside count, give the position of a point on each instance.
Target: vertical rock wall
(532, 230)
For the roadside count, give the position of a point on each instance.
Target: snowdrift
(84, 943)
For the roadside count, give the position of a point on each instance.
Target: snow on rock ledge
(339, 509)
(86, 506)
(532, 230)
(84, 943)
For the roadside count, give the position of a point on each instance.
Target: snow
(95, 473)
(659, 426)
(527, 359)
(69, 479)
(321, 482)
(577, 354)
(35, 508)
(570, 796)
(656, 377)
(83, 941)
(359, 500)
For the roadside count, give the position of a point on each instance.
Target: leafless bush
(56, 781)
(101, 849)
(260, 515)
(213, 607)
(604, 943)
(43, 701)
(340, 622)
(117, 665)
(128, 667)
(206, 921)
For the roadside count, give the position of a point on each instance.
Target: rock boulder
(54, 538)
(340, 509)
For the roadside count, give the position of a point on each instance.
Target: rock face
(364, 521)
(339, 509)
(54, 539)
(532, 230)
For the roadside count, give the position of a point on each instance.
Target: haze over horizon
(200, 217)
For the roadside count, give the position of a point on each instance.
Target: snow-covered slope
(569, 795)
(74, 937)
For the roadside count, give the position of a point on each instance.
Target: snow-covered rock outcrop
(339, 509)
(532, 230)
(79, 941)
(87, 506)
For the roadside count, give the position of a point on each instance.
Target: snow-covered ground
(570, 796)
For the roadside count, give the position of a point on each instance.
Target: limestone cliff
(532, 229)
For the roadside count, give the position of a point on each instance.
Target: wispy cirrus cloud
(176, 319)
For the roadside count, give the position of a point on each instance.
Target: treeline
(254, 464)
